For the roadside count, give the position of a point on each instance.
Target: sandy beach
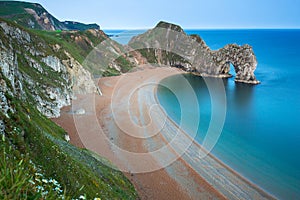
(127, 126)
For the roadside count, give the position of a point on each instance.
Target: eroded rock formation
(35, 71)
(168, 44)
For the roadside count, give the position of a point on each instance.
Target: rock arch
(168, 44)
(243, 60)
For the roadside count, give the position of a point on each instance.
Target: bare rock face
(16, 33)
(54, 63)
(51, 82)
(4, 104)
(81, 78)
(168, 44)
(44, 19)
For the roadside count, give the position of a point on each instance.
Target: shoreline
(267, 194)
(260, 190)
(173, 183)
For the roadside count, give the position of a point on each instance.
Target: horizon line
(210, 28)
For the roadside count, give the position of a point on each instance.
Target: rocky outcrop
(35, 70)
(48, 99)
(4, 104)
(21, 36)
(168, 44)
(44, 20)
(241, 57)
(81, 79)
(54, 63)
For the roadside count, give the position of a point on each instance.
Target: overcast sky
(138, 14)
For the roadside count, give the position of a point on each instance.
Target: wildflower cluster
(46, 186)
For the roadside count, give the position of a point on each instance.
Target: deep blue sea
(261, 134)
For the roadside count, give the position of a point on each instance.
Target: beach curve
(186, 177)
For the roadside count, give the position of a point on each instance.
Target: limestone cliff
(168, 44)
(40, 71)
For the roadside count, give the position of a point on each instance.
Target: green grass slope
(36, 162)
(15, 11)
(32, 138)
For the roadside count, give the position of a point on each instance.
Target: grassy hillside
(32, 138)
(78, 43)
(11, 8)
(79, 26)
(17, 11)
(81, 43)
(36, 161)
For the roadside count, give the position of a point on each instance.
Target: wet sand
(128, 127)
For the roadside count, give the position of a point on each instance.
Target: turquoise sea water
(261, 134)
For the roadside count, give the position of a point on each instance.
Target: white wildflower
(45, 180)
(57, 189)
(37, 179)
(82, 197)
(55, 182)
(39, 174)
(39, 188)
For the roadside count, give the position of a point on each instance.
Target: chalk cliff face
(51, 72)
(168, 44)
(37, 71)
